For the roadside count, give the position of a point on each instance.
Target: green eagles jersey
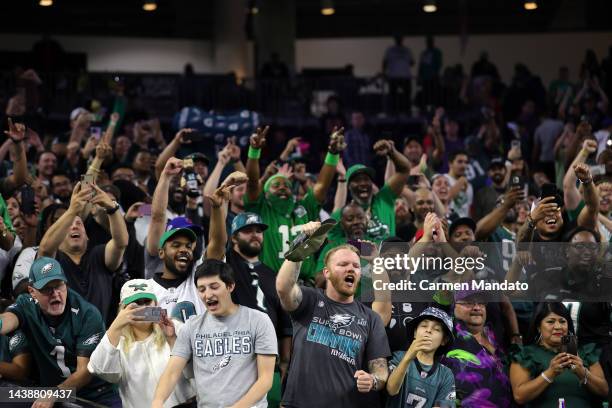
(282, 229)
(55, 349)
(381, 222)
(12, 345)
(420, 390)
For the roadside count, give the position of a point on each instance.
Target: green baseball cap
(135, 289)
(358, 169)
(170, 233)
(45, 270)
(244, 220)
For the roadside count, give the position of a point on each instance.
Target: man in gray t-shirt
(340, 348)
(233, 348)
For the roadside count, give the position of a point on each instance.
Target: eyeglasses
(581, 246)
(49, 290)
(472, 304)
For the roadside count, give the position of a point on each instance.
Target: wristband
(0, 324)
(516, 335)
(548, 380)
(586, 182)
(374, 383)
(254, 153)
(341, 180)
(332, 159)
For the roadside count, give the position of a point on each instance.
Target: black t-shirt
(91, 279)
(256, 288)
(331, 341)
(401, 314)
(594, 322)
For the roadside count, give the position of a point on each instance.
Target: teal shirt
(56, 348)
(417, 392)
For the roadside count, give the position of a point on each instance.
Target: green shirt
(6, 218)
(418, 392)
(536, 359)
(381, 222)
(283, 229)
(13, 345)
(55, 348)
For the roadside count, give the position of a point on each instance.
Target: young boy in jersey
(417, 378)
(233, 348)
(63, 330)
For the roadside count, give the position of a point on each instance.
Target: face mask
(282, 206)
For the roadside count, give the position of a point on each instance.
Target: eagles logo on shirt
(341, 320)
(299, 211)
(223, 363)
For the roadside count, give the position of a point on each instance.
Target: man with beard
(254, 281)
(46, 164)
(461, 192)
(379, 207)
(582, 278)
(487, 196)
(276, 204)
(339, 348)
(61, 187)
(63, 330)
(353, 228)
(89, 270)
(177, 245)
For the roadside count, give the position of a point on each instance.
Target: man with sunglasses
(476, 356)
(66, 329)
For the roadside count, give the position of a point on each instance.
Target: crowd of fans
(141, 272)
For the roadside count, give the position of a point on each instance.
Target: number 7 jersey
(56, 348)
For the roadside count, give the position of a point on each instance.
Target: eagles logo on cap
(46, 268)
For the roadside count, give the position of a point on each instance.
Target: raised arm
(217, 237)
(588, 215)
(168, 380)
(212, 182)
(17, 134)
(103, 151)
(571, 195)
(290, 148)
(341, 187)
(115, 248)
(257, 141)
(55, 235)
(10, 323)
(81, 126)
(402, 165)
(436, 127)
(160, 204)
(487, 225)
(288, 290)
(326, 175)
(179, 139)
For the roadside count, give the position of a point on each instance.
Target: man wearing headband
(277, 205)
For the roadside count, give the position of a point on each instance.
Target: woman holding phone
(552, 367)
(136, 348)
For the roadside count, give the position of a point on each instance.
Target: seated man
(63, 330)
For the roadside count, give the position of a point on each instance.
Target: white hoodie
(137, 372)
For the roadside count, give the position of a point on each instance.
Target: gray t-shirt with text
(224, 353)
(332, 341)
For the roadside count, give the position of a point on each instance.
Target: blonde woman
(134, 353)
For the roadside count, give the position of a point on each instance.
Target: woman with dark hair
(547, 369)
